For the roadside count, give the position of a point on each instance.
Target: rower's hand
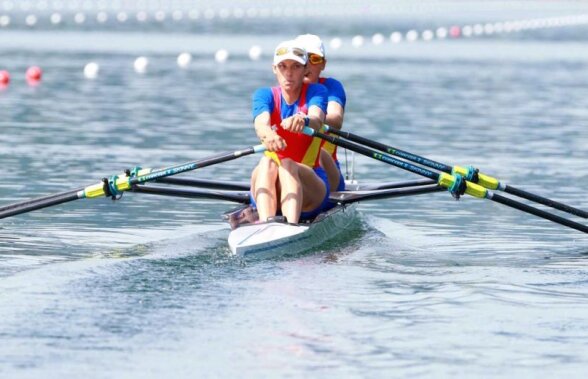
(273, 142)
(294, 124)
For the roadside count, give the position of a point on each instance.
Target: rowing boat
(278, 237)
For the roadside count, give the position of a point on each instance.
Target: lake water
(145, 287)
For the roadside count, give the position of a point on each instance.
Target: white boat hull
(278, 238)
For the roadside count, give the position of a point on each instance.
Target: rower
(289, 177)
(317, 62)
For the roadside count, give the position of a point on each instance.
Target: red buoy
(455, 31)
(34, 74)
(4, 78)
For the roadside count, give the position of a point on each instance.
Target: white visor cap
(312, 44)
(290, 50)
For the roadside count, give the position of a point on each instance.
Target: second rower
(335, 107)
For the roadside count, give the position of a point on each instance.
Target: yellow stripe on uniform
(273, 156)
(312, 152)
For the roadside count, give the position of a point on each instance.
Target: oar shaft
(537, 212)
(346, 197)
(391, 150)
(545, 201)
(39, 203)
(408, 183)
(375, 155)
(237, 197)
(158, 174)
(205, 183)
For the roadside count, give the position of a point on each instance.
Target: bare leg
(291, 196)
(263, 187)
(313, 188)
(328, 164)
(302, 189)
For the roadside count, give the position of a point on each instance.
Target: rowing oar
(469, 173)
(206, 183)
(192, 193)
(455, 184)
(116, 185)
(348, 197)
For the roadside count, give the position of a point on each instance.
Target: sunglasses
(315, 59)
(294, 50)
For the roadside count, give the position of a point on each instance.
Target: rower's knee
(266, 167)
(289, 168)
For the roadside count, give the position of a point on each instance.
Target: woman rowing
(289, 177)
(317, 62)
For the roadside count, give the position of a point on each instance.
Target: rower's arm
(316, 117)
(262, 126)
(268, 137)
(334, 116)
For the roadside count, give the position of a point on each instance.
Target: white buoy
(102, 17)
(336, 43)
(427, 35)
(31, 20)
(141, 65)
(56, 18)
(79, 18)
(184, 60)
(160, 16)
(357, 41)
(122, 17)
(221, 56)
(224, 13)
(489, 28)
(412, 35)
(377, 39)
(255, 52)
(467, 31)
(441, 33)
(4, 20)
(91, 70)
(141, 16)
(396, 37)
